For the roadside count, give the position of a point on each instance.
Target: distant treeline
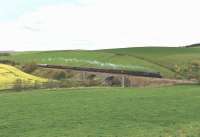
(193, 45)
(4, 54)
(9, 62)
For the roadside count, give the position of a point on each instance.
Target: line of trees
(19, 84)
(190, 71)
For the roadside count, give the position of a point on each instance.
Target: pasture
(89, 59)
(163, 56)
(101, 112)
(170, 62)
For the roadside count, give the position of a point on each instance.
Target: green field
(101, 112)
(89, 59)
(104, 112)
(163, 56)
(164, 60)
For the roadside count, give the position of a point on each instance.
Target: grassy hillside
(178, 60)
(107, 112)
(89, 59)
(170, 58)
(168, 61)
(9, 75)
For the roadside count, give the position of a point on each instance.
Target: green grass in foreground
(107, 112)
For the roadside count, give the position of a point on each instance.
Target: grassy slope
(109, 112)
(90, 59)
(167, 57)
(153, 59)
(9, 74)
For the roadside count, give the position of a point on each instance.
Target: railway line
(110, 71)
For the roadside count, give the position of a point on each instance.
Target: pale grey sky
(95, 24)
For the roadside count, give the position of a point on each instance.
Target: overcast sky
(97, 24)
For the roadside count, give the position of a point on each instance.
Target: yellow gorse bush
(9, 74)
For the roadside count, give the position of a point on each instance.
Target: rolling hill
(106, 112)
(89, 59)
(9, 75)
(165, 60)
(166, 57)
